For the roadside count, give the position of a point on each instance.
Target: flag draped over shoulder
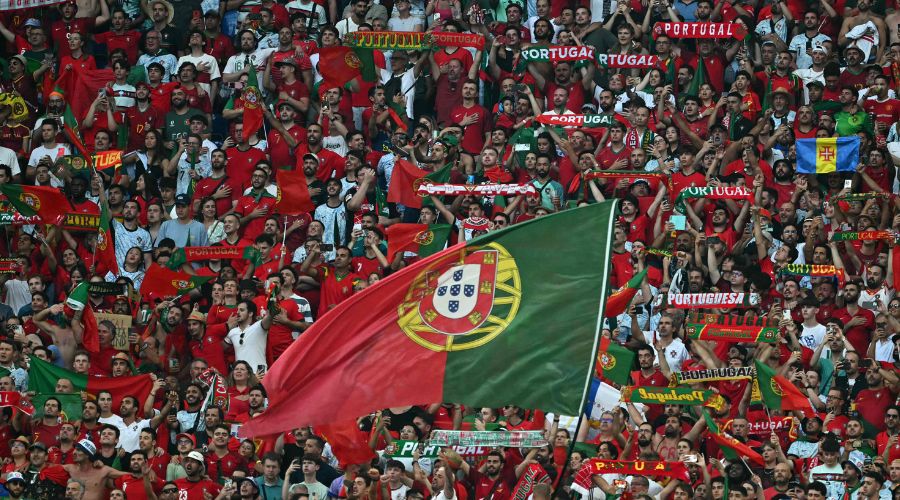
(42, 377)
(827, 154)
(499, 311)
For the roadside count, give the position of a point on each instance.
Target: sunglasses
(169, 490)
(500, 222)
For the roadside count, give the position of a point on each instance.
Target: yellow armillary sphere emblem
(463, 300)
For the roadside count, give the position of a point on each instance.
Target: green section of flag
(367, 64)
(381, 203)
(42, 377)
(78, 297)
(615, 362)
(765, 376)
(439, 176)
(547, 300)
(70, 405)
(440, 233)
(727, 452)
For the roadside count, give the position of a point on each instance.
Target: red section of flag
(739, 447)
(335, 66)
(402, 238)
(80, 87)
(792, 398)
(138, 386)
(293, 193)
(404, 183)
(349, 444)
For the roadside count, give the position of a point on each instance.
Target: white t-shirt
(308, 7)
(676, 353)
(129, 434)
(8, 157)
(53, 152)
(249, 344)
(212, 71)
(811, 337)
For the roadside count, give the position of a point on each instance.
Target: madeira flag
(826, 155)
(510, 317)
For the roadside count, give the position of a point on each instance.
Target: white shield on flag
(455, 296)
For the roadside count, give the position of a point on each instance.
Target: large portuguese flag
(510, 317)
(42, 377)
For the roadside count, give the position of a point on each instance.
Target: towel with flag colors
(827, 154)
(490, 318)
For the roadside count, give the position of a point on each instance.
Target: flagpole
(283, 240)
(595, 350)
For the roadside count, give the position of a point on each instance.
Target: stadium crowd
(170, 84)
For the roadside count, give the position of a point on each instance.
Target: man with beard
(858, 322)
(473, 118)
(176, 123)
(495, 482)
(189, 419)
(130, 234)
(551, 192)
(141, 117)
(807, 445)
(46, 430)
(156, 458)
(62, 454)
(873, 402)
(133, 483)
(94, 478)
(803, 44)
(650, 375)
(256, 403)
(781, 480)
(120, 37)
(155, 53)
(669, 351)
(876, 289)
(694, 128)
(330, 164)
(865, 15)
(249, 56)
(219, 185)
(195, 486)
(44, 480)
(220, 461)
(255, 205)
(284, 136)
(88, 425)
(888, 437)
(564, 77)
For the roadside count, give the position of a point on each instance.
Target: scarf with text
(192, 254)
(629, 174)
(713, 193)
(712, 300)
(513, 439)
(403, 40)
(476, 189)
(862, 235)
(864, 196)
(700, 30)
(9, 266)
(727, 328)
(813, 271)
(593, 466)
(532, 476)
(712, 375)
(104, 288)
(589, 121)
(671, 396)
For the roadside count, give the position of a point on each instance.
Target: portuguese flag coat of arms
(510, 317)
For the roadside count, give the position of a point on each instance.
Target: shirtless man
(63, 338)
(865, 15)
(95, 478)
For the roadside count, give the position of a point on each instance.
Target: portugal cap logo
(462, 301)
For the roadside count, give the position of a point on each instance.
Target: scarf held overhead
(515, 439)
(712, 300)
(712, 375)
(671, 396)
(726, 328)
(700, 30)
(475, 189)
(713, 193)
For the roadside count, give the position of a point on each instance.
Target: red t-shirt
(134, 486)
(886, 112)
(281, 336)
(188, 490)
(208, 186)
(241, 164)
(334, 289)
(139, 122)
(128, 41)
(331, 164)
(247, 204)
(280, 153)
(60, 30)
(473, 134)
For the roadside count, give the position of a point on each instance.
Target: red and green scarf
(713, 193)
(727, 328)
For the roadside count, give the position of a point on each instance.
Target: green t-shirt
(176, 126)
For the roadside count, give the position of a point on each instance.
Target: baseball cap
(33, 23)
(310, 156)
(182, 199)
(15, 476)
(187, 436)
(87, 446)
(286, 62)
(20, 58)
(39, 445)
(196, 455)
